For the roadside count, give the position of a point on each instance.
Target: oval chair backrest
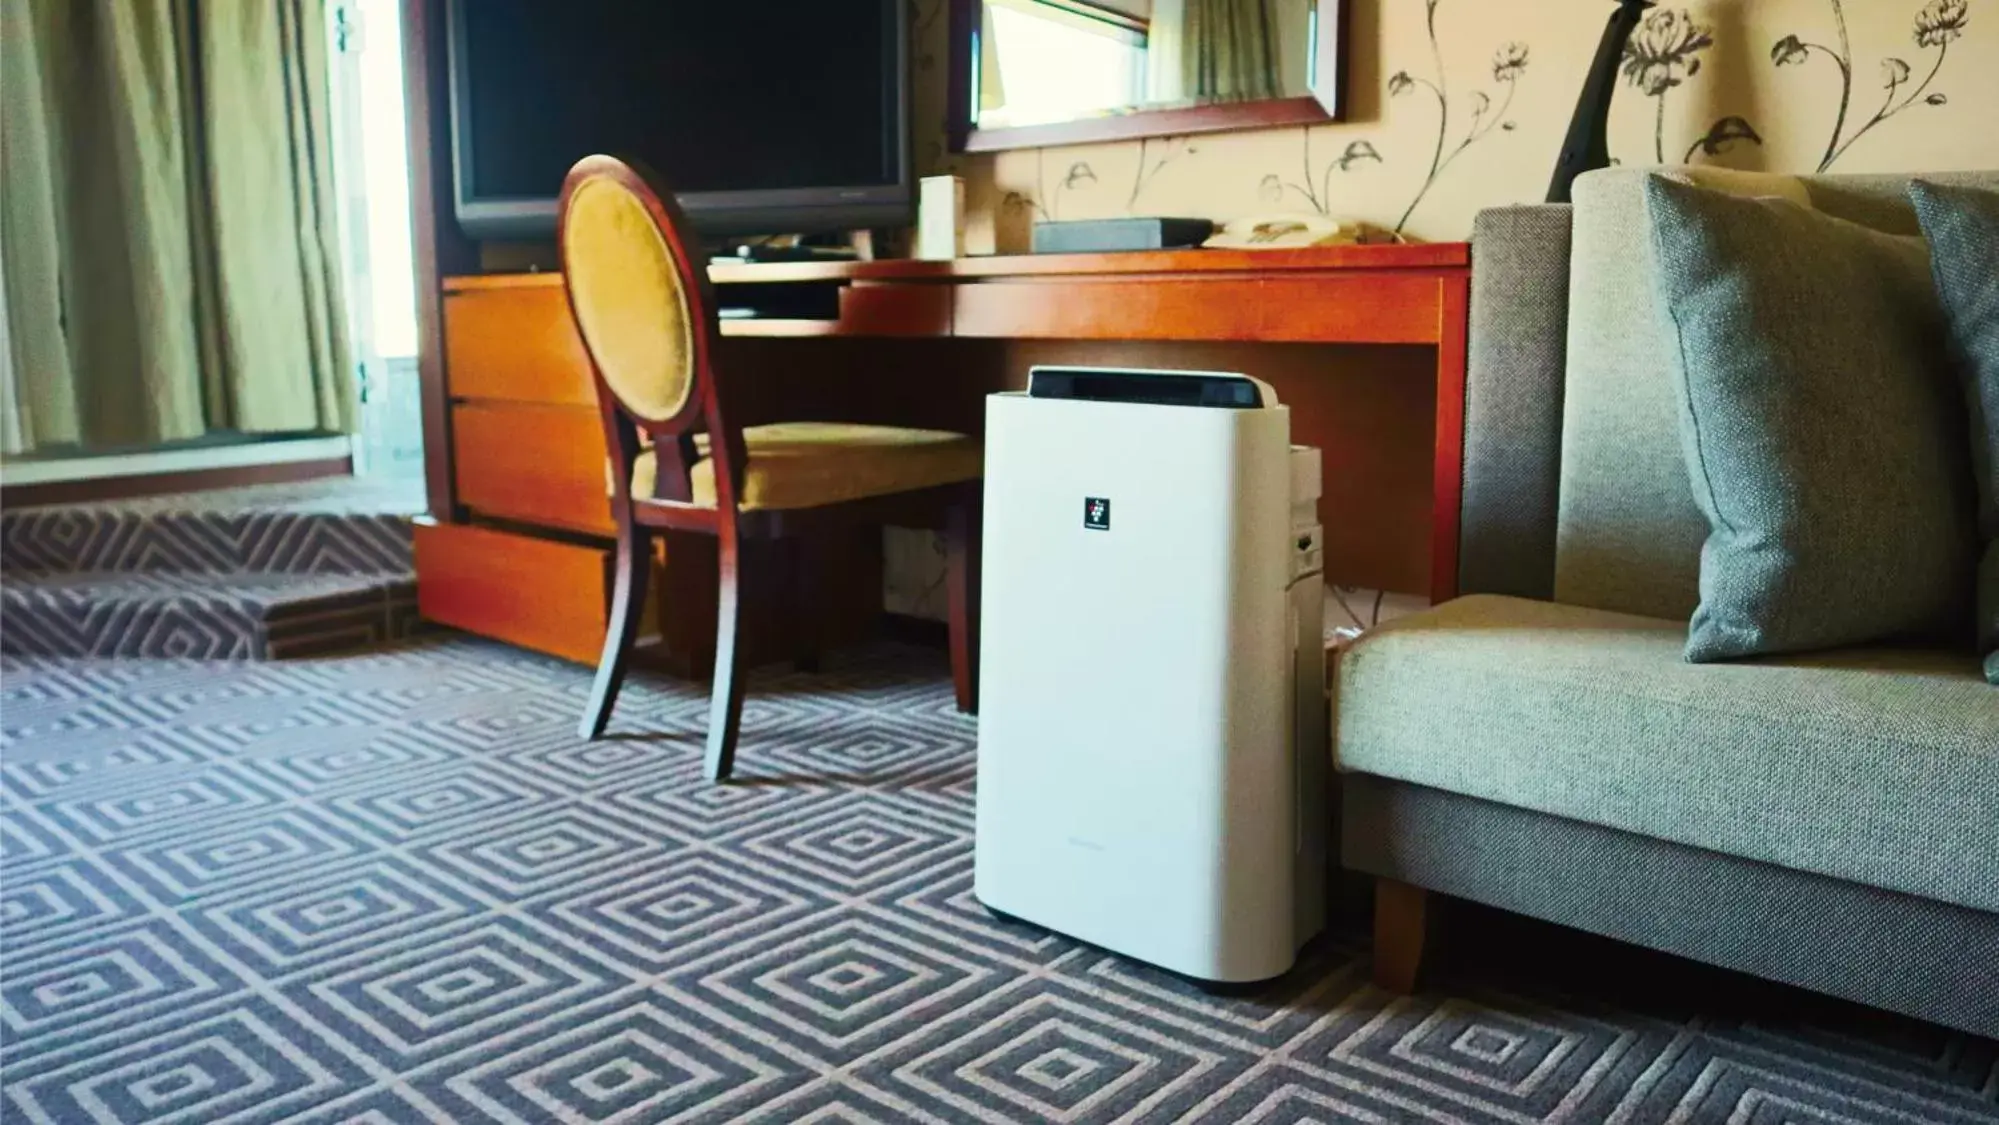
(628, 292)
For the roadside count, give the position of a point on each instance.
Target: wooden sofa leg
(1401, 925)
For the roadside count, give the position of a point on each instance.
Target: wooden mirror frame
(1326, 102)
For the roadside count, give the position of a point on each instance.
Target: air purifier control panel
(1308, 543)
(1308, 551)
(1213, 389)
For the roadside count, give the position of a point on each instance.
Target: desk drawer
(1350, 310)
(895, 310)
(543, 595)
(518, 344)
(540, 464)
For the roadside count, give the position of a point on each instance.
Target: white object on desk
(1293, 231)
(940, 217)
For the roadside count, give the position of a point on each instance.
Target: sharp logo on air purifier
(1096, 513)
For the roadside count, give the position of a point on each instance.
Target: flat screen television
(765, 118)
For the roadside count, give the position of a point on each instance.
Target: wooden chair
(638, 288)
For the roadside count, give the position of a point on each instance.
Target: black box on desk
(1090, 236)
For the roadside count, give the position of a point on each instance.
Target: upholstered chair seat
(813, 464)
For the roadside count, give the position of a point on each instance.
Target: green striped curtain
(168, 221)
(1229, 50)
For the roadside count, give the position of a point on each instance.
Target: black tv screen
(763, 117)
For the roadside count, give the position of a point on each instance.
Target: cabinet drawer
(1351, 310)
(895, 310)
(541, 464)
(518, 344)
(543, 595)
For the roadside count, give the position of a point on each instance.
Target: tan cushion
(811, 464)
(629, 303)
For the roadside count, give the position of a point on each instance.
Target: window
(1055, 61)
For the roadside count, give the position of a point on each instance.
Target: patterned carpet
(393, 887)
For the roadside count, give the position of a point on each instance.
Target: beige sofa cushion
(1822, 422)
(1628, 536)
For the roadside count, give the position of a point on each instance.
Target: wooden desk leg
(1401, 927)
(802, 582)
(962, 577)
(1447, 482)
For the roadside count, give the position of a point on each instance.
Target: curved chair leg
(725, 699)
(962, 579)
(628, 599)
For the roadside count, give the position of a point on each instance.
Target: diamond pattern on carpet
(338, 526)
(393, 887)
(264, 573)
(218, 616)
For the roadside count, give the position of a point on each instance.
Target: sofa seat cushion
(1875, 765)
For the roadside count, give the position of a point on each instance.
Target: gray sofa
(1540, 745)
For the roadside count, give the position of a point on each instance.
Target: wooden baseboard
(161, 484)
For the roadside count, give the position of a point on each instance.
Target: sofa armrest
(1513, 400)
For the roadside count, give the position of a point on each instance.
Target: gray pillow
(1823, 431)
(1962, 225)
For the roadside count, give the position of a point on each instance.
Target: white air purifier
(1153, 760)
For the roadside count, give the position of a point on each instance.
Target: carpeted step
(240, 616)
(344, 527)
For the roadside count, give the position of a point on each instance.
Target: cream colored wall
(1375, 166)
(1768, 63)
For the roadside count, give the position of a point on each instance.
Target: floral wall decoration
(1845, 85)
(1274, 188)
(1046, 204)
(1458, 105)
(1153, 157)
(1938, 24)
(1508, 63)
(1662, 54)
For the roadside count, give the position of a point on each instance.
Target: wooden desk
(1365, 344)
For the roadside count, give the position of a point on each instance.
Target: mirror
(1028, 73)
